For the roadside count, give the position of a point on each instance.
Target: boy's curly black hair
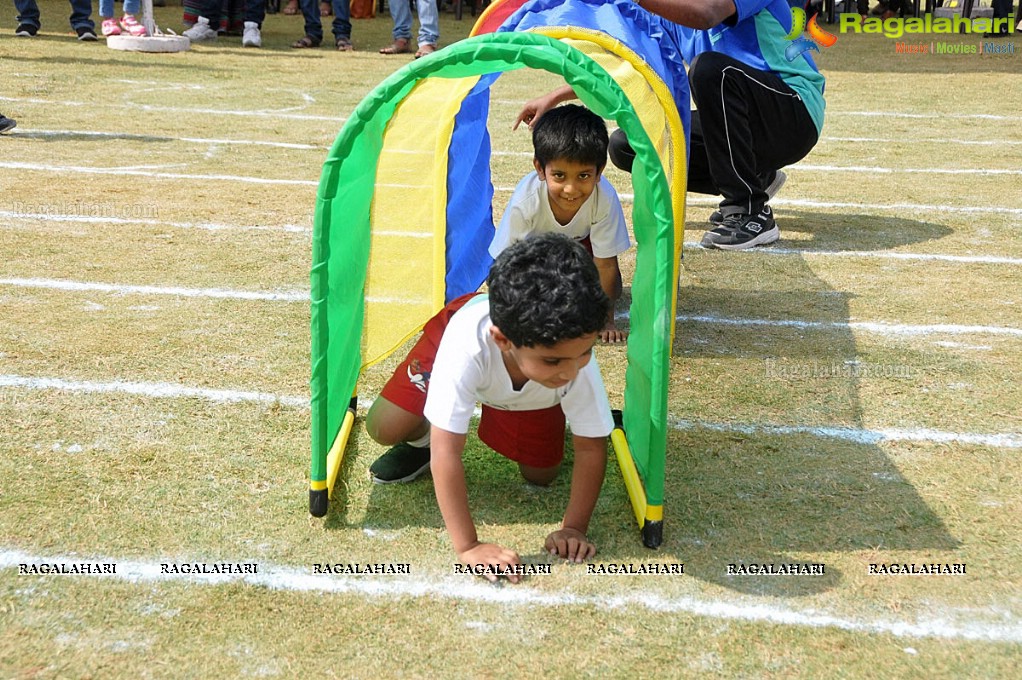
(571, 132)
(546, 289)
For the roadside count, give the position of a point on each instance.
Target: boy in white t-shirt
(525, 351)
(567, 194)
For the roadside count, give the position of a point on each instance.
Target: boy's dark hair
(546, 289)
(571, 132)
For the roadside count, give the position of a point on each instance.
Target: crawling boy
(567, 194)
(525, 351)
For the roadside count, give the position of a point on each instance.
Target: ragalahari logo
(799, 42)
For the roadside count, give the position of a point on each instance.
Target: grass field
(848, 396)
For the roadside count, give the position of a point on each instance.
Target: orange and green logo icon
(799, 42)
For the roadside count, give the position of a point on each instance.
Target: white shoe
(251, 37)
(200, 31)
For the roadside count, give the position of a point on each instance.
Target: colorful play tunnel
(408, 180)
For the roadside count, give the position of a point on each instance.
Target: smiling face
(568, 184)
(551, 366)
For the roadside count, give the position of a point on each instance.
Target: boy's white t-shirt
(469, 368)
(529, 213)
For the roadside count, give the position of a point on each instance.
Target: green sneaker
(402, 463)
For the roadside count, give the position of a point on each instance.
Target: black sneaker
(7, 123)
(402, 463)
(775, 185)
(86, 34)
(26, 30)
(738, 232)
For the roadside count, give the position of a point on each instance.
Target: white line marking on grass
(262, 113)
(159, 175)
(925, 140)
(863, 207)
(912, 171)
(151, 389)
(859, 435)
(208, 226)
(878, 327)
(930, 624)
(57, 284)
(939, 116)
(962, 345)
(158, 138)
(1010, 440)
(691, 245)
(899, 207)
(961, 259)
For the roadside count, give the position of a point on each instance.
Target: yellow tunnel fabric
(405, 278)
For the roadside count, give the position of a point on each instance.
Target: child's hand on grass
(491, 555)
(571, 544)
(611, 333)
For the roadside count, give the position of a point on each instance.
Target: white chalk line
(205, 226)
(931, 257)
(41, 167)
(692, 245)
(159, 138)
(36, 132)
(938, 116)
(158, 390)
(859, 435)
(929, 624)
(877, 170)
(864, 207)
(1007, 440)
(875, 327)
(216, 293)
(852, 140)
(38, 167)
(924, 140)
(259, 113)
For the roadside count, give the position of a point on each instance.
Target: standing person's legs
(255, 10)
(313, 24)
(1002, 10)
(28, 14)
(129, 22)
(342, 24)
(401, 13)
(429, 23)
(81, 14)
(109, 26)
(748, 124)
(208, 9)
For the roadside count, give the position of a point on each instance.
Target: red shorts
(534, 438)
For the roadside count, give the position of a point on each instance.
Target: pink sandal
(131, 25)
(110, 27)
